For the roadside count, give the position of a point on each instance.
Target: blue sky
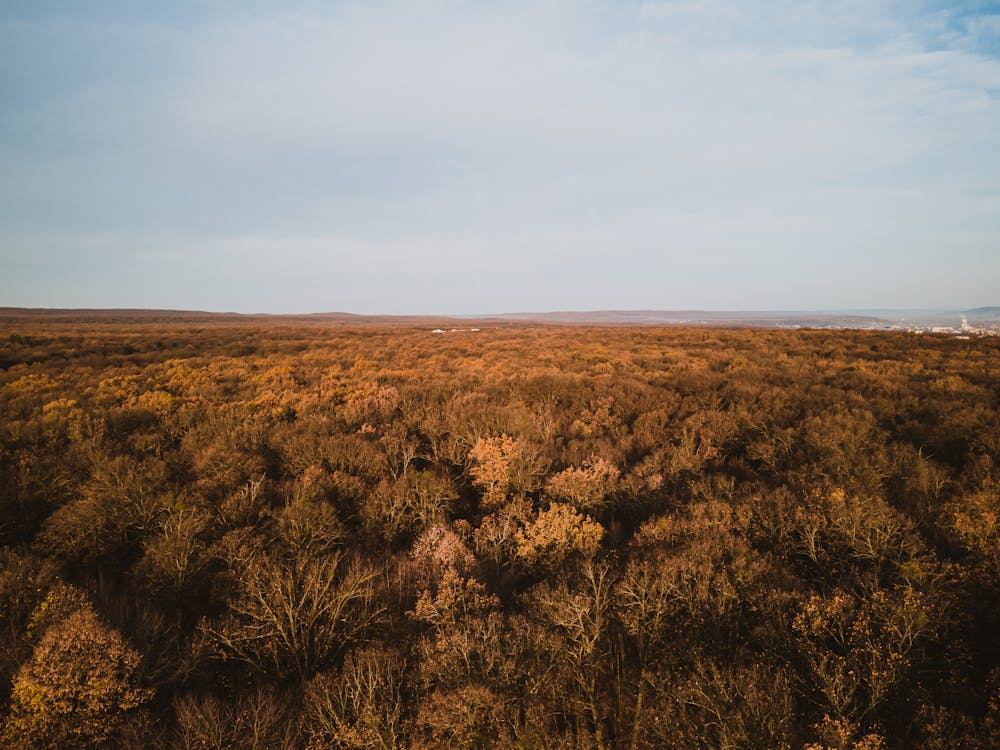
(463, 157)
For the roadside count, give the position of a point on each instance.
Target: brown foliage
(291, 617)
(259, 720)
(359, 708)
(587, 487)
(525, 536)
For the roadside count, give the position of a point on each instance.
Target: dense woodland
(315, 536)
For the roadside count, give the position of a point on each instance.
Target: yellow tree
(79, 689)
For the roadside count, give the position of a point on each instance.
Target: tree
(359, 708)
(256, 720)
(557, 534)
(80, 688)
(579, 616)
(291, 617)
(502, 465)
(586, 487)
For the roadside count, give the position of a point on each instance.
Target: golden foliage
(557, 534)
(79, 689)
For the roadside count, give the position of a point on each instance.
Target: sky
(456, 157)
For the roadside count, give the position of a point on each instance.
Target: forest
(270, 535)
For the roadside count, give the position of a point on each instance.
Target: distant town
(963, 330)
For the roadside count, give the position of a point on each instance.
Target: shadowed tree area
(318, 536)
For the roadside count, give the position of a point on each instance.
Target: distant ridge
(138, 315)
(882, 318)
(689, 317)
(984, 312)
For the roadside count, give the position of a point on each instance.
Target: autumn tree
(79, 689)
(585, 487)
(503, 465)
(291, 616)
(556, 535)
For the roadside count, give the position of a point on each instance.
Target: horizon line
(946, 309)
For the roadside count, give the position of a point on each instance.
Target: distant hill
(992, 313)
(754, 318)
(88, 315)
(122, 315)
(697, 317)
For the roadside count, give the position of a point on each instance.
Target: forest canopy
(333, 536)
